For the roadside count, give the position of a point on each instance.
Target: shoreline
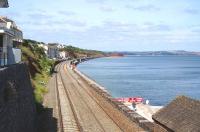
(90, 81)
(131, 114)
(142, 109)
(86, 77)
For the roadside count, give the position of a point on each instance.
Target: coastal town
(11, 37)
(43, 90)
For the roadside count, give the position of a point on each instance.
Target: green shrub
(39, 67)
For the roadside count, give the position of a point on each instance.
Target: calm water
(157, 78)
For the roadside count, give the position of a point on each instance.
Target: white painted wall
(62, 54)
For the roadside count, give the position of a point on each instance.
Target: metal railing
(3, 25)
(3, 56)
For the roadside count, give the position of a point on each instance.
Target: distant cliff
(161, 53)
(75, 52)
(114, 54)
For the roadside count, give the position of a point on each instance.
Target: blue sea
(156, 78)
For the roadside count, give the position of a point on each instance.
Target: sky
(110, 25)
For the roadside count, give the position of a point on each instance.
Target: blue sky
(110, 25)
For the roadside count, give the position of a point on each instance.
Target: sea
(156, 78)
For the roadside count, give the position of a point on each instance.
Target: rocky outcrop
(17, 107)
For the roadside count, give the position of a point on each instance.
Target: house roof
(53, 44)
(181, 115)
(4, 4)
(4, 19)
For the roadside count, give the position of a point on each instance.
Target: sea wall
(17, 106)
(108, 102)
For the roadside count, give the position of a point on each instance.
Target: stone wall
(159, 128)
(17, 107)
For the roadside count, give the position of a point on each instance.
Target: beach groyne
(108, 102)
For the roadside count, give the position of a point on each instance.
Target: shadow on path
(46, 121)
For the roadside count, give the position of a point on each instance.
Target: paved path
(49, 121)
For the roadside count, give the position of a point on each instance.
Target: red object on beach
(131, 99)
(138, 99)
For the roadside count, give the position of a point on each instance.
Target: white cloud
(143, 7)
(191, 11)
(96, 1)
(183, 36)
(107, 8)
(66, 13)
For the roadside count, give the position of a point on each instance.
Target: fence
(14, 55)
(9, 56)
(3, 56)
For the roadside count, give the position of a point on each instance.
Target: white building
(62, 55)
(10, 37)
(4, 4)
(45, 47)
(53, 50)
(61, 46)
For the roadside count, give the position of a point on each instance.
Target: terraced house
(54, 51)
(10, 37)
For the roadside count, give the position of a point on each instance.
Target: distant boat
(130, 99)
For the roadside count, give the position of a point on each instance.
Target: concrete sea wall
(17, 106)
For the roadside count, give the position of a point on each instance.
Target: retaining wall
(17, 106)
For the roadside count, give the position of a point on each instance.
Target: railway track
(89, 109)
(67, 117)
(90, 95)
(90, 116)
(60, 120)
(128, 126)
(78, 109)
